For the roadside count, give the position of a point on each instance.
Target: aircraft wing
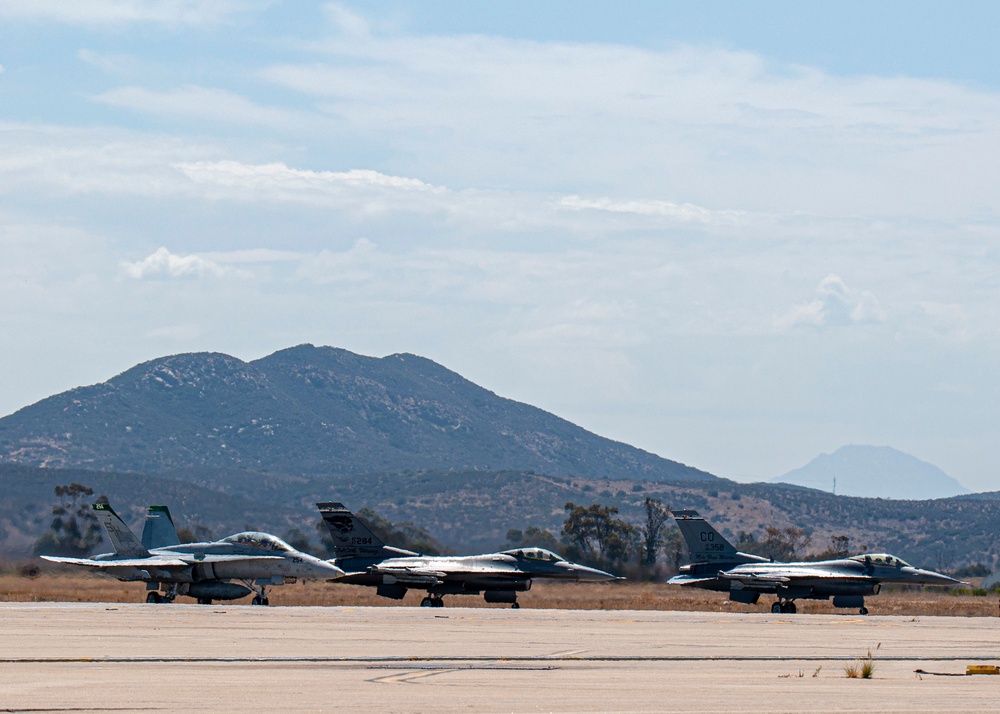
(411, 576)
(796, 576)
(155, 562)
(178, 560)
(194, 558)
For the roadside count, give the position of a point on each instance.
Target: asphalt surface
(124, 657)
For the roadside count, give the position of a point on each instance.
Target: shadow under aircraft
(717, 565)
(203, 571)
(392, 571)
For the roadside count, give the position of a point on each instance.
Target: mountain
(308, 411)
(875, 472)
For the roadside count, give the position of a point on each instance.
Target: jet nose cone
(322, 569)
(929, 577)
(585, 573)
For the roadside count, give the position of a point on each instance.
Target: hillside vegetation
(472, 511)
(310, 410)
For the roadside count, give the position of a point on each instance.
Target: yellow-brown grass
(59, 586)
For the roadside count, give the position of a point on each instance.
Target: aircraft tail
(705, 544)
(159, 530)
(122, 539)
(351, 537)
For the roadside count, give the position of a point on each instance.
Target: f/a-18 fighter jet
(717, 565)
(199, 570)
(392, 571)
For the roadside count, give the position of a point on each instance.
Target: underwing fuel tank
(218, 591)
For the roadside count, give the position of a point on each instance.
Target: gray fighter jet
(717, 565)
(392, 571)
(199, 570)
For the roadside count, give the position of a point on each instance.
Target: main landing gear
(786, 607)
(432, 601)
(155, 598)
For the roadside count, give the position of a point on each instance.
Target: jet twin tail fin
(159, 530)
(122, 539)
(351, 537)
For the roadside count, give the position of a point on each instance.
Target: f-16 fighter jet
(717, 565)
(392, 571)
(199, 570)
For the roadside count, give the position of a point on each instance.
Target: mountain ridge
(310, 410)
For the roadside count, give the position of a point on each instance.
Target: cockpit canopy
(881, 559)
(256, 539)
(534, 554)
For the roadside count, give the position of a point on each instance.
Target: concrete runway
(136, 657)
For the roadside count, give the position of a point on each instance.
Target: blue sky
(736, 234)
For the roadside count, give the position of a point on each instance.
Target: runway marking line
(567, 653)
(557, 657)
(408, 677)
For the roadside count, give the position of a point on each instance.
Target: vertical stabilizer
(159, 530)
(705, 544)
(351, 537)
(122, 539)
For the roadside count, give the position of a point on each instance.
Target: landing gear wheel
(863, 611)
(515, 606)
(427, 602)
(776, 608)
(258, 600)
(790, 608)
(154, 598)
(437, 602)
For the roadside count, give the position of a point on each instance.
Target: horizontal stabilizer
(690, 580)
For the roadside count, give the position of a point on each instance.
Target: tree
(74, 530)
(194, 534)
(840, 547)
(674, 548)
(593, 533)
(652, 530)
(783, 543)
(298, 540)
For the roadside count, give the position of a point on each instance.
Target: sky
(738, 235)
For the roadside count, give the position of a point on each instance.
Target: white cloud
(193, 103)
(682, 211)
(348, 23)
(165, 264)
(948, 320)
(117, 12)
(279, 176)
(833, 306)
(703, 126)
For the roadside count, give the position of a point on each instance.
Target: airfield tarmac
(136, 657)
